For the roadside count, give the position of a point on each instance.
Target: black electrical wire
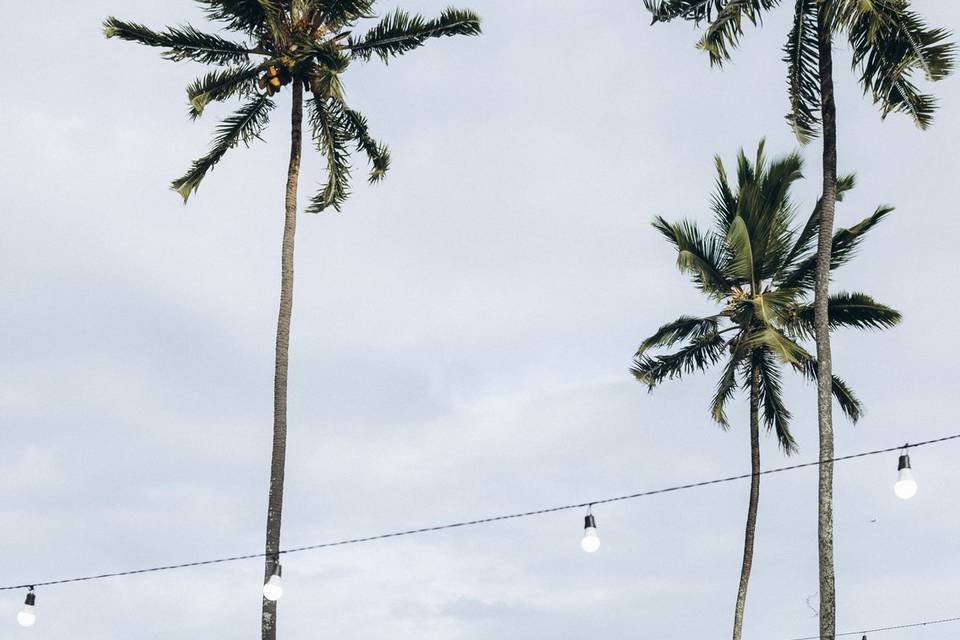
(912, 625)
(471, 523)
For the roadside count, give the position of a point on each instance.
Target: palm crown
(291, 41)
(761, 268)
(889, 42)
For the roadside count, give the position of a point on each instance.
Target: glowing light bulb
(27, 617)
(906, 485)
(273, 589)
(590, 541)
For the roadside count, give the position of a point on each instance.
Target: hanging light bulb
(906, 485)
(590, 541)
(27, 616)
(273, 588)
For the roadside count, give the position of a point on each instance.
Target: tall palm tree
(306, 45)
(890, 43)
(762, 270)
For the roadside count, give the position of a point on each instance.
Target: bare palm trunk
(277, 461)
(828, 110)
(754, 501)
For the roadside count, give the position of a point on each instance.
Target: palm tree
(889, 44)
(762, 271)
(306, 45)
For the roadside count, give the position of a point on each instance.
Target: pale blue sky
(462, 334)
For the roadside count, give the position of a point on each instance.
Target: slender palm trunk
(828, 110)
(277, 460)
(754, 501)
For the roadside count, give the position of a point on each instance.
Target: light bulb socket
(31, 599)
(904, 462)
(278, 570)
(589, 522)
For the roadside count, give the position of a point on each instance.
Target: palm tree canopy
(890, 45)
(277, 42)
(759, 265)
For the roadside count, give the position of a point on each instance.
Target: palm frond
(243, 126)
(740, 266)
(845, 243)
(775, 413)
(772, 339)
(181, 43)
(802, 55)
(237, 15)
(680, 329)
(856, 310)
(698, 254)
(724, 31)
(220, 85)
(699, 355)
(377, 153)
(726, 388)
(808, 235)
(842, 393)
(341, 12)
(693, 10)
(326, 120)
(400, 32)
(890, 43)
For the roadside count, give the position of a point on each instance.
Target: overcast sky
(461, 340)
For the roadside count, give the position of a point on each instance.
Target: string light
(27, 616)
(273, 588)
(590, 541)
(905, 486)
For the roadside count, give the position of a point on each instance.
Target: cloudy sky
(462, 335)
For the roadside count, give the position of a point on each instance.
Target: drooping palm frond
(377, 153)
(775, 413)
(701, 353)
(802, 55)
(724, 31)
(699, 254)
(400, 32)
(845, 243)
(890, 43)
(244, 126)
(778, 344)
(842, 393)
(326, 121)
(856, 310)
(726, 388)
(693, 10)
(181, 43)
(221, 85)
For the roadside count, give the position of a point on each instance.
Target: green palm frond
(842, 393)
(740, 266)
(331, 138)
(724, 31)
(400, 32)
(890, 43)
(220, 85)
(237, 15)
(724, 203)
(698, 254)
(377, 153)
(341, 12)
(680, 329)
(775, 413)
(774, 341)
(693, 10)
(726, 388)
(845, 243)
(181, 43)
(243, 126)
(856, 310)
(808, 235)
(801, 53)
(699, 355)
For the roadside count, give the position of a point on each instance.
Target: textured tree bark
(754, 501)
(828, 112)
(278, 459)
